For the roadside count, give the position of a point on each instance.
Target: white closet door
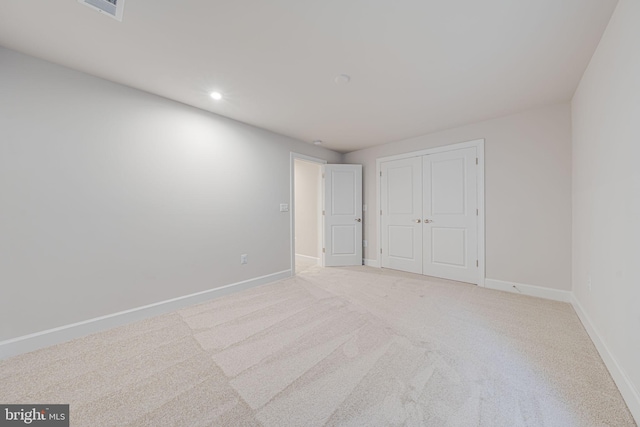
(342, 215)
(450, 221)
(401, 203)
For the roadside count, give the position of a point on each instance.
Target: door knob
(427, 221)
(417, 220)
(358, 219)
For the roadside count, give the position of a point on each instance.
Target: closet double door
(429, 215)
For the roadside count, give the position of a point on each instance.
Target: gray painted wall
(308, 178)
(112, 198)
(606, 194)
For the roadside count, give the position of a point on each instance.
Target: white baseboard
(372, 263)
(31, 342)
(530, 290)
(629, 392)
(307, 258)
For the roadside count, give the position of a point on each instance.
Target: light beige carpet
(338, 346)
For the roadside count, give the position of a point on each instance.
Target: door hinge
(476, 212)
(380, 173)
(477, 264)
(323, 212)
(380, 211)
(476, 160)
(323, 176)
(380, 250)
(323, 250)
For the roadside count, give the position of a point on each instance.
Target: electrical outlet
(243, 259)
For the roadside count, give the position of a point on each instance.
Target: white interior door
(401, 203)
(342, 226)
(450, 216)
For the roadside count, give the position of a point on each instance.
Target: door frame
(293, 156)
(479, 145)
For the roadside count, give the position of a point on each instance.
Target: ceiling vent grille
(112, 8)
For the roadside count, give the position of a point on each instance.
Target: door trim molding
(293, 156)
(479, 145)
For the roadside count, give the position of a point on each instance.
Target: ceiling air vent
(112, 8)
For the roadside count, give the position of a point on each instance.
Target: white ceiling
(416, 65)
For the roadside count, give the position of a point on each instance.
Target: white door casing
(401, 202)
(342, 227)
(450, 216)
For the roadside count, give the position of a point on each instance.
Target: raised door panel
(343, 215)
(401, 203)
(450, 215)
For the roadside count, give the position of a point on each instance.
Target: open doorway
(306, 229)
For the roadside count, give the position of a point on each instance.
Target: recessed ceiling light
(342, 79)
(216, 95)
(317, 142)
